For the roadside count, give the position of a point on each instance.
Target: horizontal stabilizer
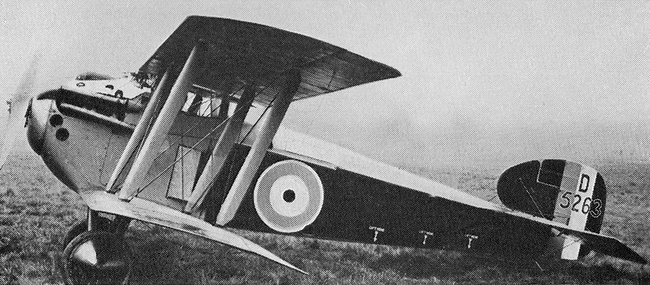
(609, 246)
(143, 210)
(600, 243)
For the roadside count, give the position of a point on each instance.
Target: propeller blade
(17, 108)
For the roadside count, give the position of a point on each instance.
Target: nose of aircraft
(37, 113)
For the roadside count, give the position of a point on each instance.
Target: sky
(483, 82)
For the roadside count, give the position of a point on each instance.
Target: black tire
(104, 258)
(104, 224)
(584, 250)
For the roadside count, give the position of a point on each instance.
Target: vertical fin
(565, 192)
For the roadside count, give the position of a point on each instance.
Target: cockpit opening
(206, 103)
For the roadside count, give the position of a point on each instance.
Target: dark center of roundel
(289, 195)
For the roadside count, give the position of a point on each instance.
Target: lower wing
(146, 211)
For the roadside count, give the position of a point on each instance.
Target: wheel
(103, 224)
(97, 257)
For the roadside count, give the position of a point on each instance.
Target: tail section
(558, 190)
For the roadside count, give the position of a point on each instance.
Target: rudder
(562, 191)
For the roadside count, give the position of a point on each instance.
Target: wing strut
(140, 129)
(267, 131)
(222, 149)
(161, 127)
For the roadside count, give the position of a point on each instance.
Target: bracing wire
(214, 179)
(203, 139)
(180, 138)
(148, 129)
(183, 154)
(151, 120)
(531, 198)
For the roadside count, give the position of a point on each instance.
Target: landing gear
(97, 257)
(103, 224)
(97, 254)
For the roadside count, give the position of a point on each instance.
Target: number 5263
(586, 205)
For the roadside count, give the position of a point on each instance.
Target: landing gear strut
(97, 254)
(103, 224)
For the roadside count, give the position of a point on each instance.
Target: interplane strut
(221, 150)
(162, 125)
(269, 127)
(140, 129)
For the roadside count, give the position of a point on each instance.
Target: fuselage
(81, 130)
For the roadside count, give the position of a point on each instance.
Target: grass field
(36, 211)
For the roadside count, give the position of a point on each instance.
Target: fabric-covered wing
(237, 53)
(150, 212)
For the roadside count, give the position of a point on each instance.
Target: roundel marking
(288, 196)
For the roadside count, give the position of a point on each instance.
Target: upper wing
(238, 53)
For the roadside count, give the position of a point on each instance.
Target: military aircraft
(174, 144)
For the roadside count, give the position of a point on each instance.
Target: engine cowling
(559, 190)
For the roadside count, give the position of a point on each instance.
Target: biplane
(193, 141)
